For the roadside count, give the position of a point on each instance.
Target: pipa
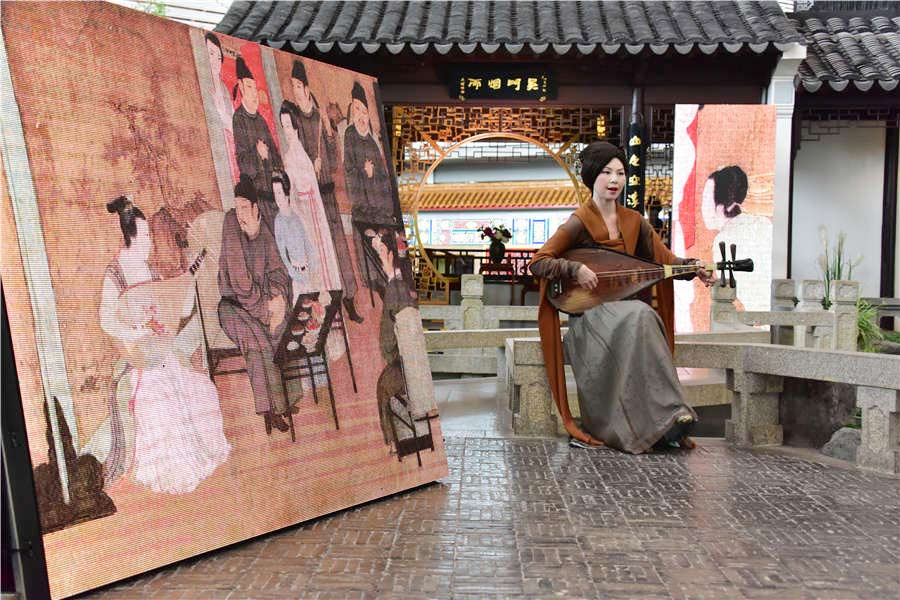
(619, 276)
(159, 306)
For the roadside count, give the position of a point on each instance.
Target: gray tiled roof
(846, 48)
(507, 25)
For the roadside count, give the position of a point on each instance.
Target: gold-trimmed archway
(432, 286)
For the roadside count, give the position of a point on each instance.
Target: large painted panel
(723, 191)
(213, 313)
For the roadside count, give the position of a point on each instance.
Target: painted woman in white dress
(305, 193)
(723, 211)
(221, 97)
(178, 435)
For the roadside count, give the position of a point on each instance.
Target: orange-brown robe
(584, 227)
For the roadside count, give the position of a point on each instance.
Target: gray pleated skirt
(628, 389)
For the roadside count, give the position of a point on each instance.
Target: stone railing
(473, 316)
(806, 325)
(754, 377)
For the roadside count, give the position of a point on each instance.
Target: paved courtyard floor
(525, 517)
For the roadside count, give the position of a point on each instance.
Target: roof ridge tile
(438, 25)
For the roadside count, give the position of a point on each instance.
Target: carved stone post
(879, 449)
(754, 409)
(535, 416)
(812, 291)
(722, 308)
(472, 292)
(530, 397)
(784, 291)
(844, 295)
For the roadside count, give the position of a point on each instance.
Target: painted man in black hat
(257, 155)
(366, 174)
(256, 292)
(318, 139)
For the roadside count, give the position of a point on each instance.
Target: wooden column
(889, 219)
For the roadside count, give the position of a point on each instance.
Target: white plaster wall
(839, 183)
(897, 250)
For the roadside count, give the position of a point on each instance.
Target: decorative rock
(811, 411)
(843, 444)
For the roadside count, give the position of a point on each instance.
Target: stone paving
(534, 518)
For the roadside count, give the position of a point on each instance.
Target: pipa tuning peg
(724, 263)
(731, 282)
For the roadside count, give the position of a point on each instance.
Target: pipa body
(619, 276)
(159, 306)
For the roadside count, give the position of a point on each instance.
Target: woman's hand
(705, 276)
(708, 279)
(586, 278)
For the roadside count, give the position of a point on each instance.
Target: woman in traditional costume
(221, 98)
(620, 352)
(396, 294)
(307, 198)
(178, 439)
(723, 211)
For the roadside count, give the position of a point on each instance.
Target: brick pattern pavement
(534, 518)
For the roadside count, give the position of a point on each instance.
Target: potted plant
(499, 236)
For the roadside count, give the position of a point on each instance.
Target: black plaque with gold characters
(499, 82)
(636, 154)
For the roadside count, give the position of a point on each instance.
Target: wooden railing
(455, 262)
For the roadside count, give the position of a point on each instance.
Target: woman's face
(381, 249)
(713, 214)
(281, 198)
(215, 58)
(141, 244)
(610, 181)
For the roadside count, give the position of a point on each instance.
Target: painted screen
(723, 191)
(213, 312)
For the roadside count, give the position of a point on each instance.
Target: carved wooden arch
(435, 281)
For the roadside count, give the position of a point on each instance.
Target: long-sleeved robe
(627, 386)
(309, 207)
(297, 254)
(250, 274)
(371, 198)
(319, 145)
(395, 295)
(248, 130)
(165, 422)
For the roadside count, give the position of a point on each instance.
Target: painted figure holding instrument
(170, 432)
(620, 350)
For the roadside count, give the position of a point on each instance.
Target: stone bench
(528, 388)
(754, 379)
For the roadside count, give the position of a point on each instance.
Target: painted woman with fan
(620, 351)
